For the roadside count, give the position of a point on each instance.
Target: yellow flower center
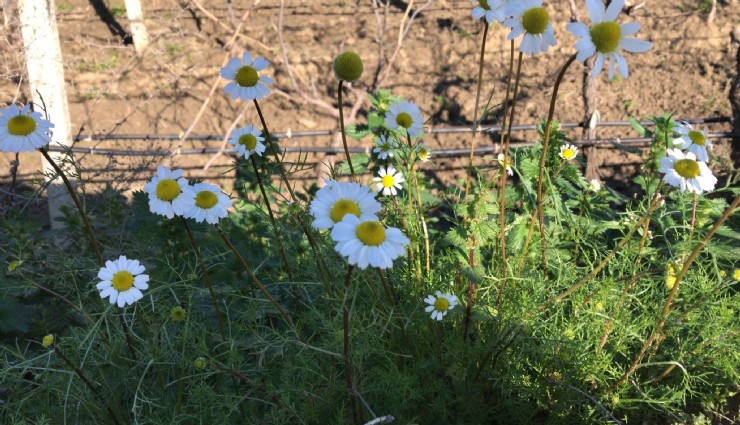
(343, 207)
(248, 140)
(370, 233)
(736, 274)
(606, 36)
(404, 120)
(168, 189)
(247, 76)
(441, 304)
(206, 199)
(697, 137)
(423, 153)
(535, 20)
(385, 147)
(484, 4)
(568, 153)
(21, 125)
(123, 280)
(387, 180)
(687, 168)
(177, 314)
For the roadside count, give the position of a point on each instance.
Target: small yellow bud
(200, 363)
(47, 341)
(736, 275)
(348, 66)
(670, 280)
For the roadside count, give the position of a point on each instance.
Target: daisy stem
(504, 147)
(76, 200)
(206, 277)
(476, 121)
(545, 145)
(471, 289)
(276, 228)
(411, 248)
(345, 352)
(527, 240)
(693, 216)
(341, 128)
(422, 219)
(127, 333)
(657, 331)
(627, 288)
(87, 383)
(254, 278)
(654, 204)
(275, 152)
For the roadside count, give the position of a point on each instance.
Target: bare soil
(113, 92)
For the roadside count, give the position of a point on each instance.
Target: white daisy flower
(528, 17)
(367, 242)
(247, 140)
(169, 193)
(423, 152)
(337, 199)
(594, 185)
(405, 115)
(210, 204)
(685, 172)
(492, 10)
(384, 147)
(440, 305)
(247, 84)
(568, 152)
(122, 280)
(506, 163)
(389, 181)
(693, 140)
(22, 130)
(606, 37)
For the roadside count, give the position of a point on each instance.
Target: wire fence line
(607, 142)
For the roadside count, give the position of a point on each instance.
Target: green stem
(275, 227)
(657, 331)
(545, 146)
(345, 352)
(254, 278)
(76, 200)
(341, 128)
(206, 277)
(279, 160)
(476, 121)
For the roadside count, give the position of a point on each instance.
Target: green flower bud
(47, 341)
(177, 314)
(348, 66)
(200, 363)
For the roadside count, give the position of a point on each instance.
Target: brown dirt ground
(112, 91)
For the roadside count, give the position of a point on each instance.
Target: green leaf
(357, 131)
(639, 128)
(360, 162)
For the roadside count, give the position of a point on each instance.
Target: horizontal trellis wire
(635, 141)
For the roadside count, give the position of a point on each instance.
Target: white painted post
(138, 29)
(46, 79)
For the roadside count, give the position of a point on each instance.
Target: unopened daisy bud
(47, 341)
(670, 281)
(199, 363)
(177, 314)
(594, 185)
(295, 208)
(348, 66)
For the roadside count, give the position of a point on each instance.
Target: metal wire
(428, 130)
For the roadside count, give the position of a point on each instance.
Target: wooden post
(138, 29)
(46, 80)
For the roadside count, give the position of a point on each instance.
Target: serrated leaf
(357, 131)
(360, 161)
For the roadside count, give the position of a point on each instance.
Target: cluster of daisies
(170, 195)
(350, 211)
(689, 170)
(604, 38)
(403, 120)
